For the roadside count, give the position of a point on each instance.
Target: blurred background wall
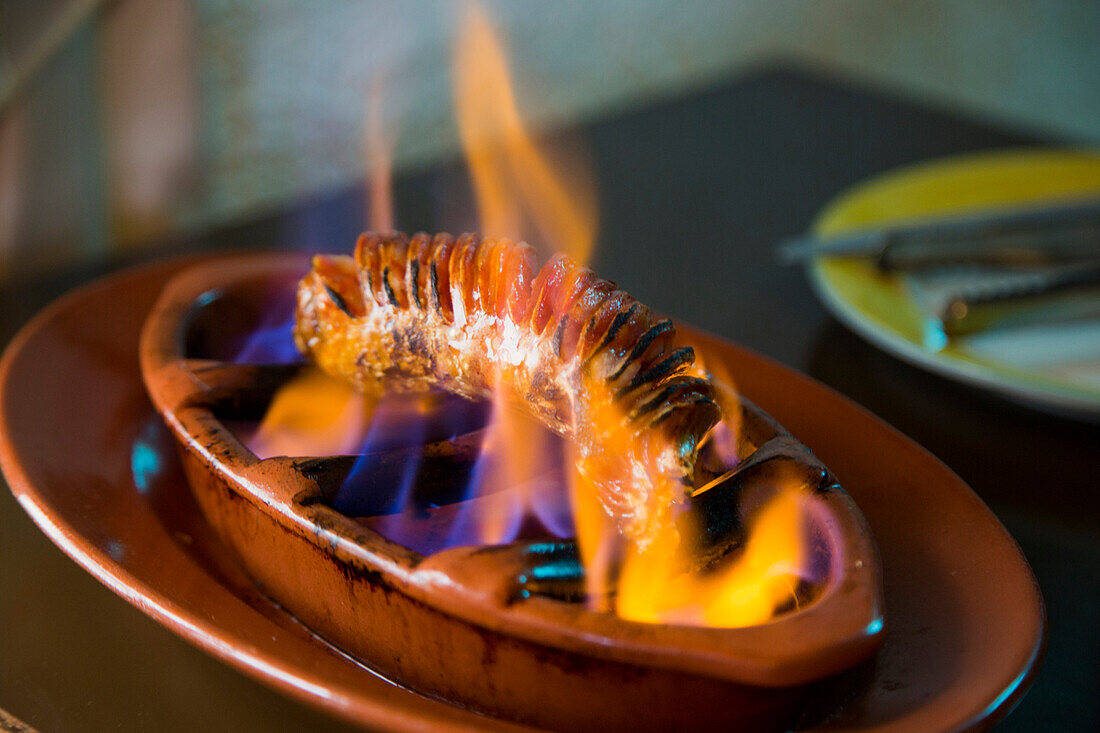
(124, 122)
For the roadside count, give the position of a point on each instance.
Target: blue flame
(432, 517)
(271, 341)
(400, 425)
(384, 486)
(270, 344)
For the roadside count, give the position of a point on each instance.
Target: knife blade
(1055, 231)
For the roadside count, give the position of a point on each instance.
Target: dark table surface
(694, 194)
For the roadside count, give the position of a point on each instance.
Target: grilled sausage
(472, 315)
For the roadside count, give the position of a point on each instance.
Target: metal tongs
(1026, 264)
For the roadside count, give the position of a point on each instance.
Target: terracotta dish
(966, 619)
(466, 624)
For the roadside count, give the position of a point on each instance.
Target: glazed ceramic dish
(952, 658)
(466, 624)
(1054, 366)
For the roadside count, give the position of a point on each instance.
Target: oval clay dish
(461, 624)
(966, 619)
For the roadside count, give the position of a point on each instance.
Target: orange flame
(516, 184)
(518, 448)
(312, 415)
(725, 436)
(748, 591)
(379, 146)
(512, 177)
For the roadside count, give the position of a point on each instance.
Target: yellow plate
(880, 308)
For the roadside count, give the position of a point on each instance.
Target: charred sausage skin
(472, 315)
